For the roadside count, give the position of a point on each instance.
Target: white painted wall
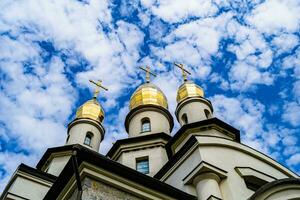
(194, 111)
(157, 158)
(159, 123)
(226, 155)
(77, 134)
(28, 189)
(57, 164)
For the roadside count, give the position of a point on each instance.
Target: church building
(203, 160)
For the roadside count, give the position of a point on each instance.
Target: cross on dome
(184, 71)
(148, 73)
(98, 86)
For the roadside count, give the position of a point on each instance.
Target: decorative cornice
(116, 146)
(205, 123)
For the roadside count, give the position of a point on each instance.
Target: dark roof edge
(275, 183)
(49, 151)
(37, 173)
(210, 121)
(89, 156)
(141, 138)
(29, 170)
(191, 141)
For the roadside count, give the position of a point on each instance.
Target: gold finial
(98, 86)
(148, 73)
(184, 71)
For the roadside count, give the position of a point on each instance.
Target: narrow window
(207, 113)
(146, 126)
(88, 138)
(142, 165)
(184, 118)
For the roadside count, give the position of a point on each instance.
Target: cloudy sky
(245, 54)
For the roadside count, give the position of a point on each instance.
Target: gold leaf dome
(189, 89)
(148, 94)
(91, 110)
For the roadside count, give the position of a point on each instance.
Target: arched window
(146, 126)
(88, 138)
(184, 118)
(207, 113)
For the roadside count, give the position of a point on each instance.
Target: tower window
(207, 113)
(146, 126)
(88, 138)
(184, 118)
(142, 165)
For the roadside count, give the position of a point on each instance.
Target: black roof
(32, 171)
(273, 184)
(206, 122)
(141, 138)
(191, 141)
(37, 173)
(86, 155)
(49, 151)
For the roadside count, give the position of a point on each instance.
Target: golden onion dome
(189, 89)
(148, 94)
(91, 110)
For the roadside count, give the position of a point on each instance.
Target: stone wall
(95, 190)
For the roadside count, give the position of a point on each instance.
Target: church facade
(204, 160)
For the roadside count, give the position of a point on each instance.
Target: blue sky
(245, 54)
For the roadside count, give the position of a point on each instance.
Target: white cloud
(37, 101)
(175, 11)
(246, 76)
(248, 115)
(275, 16)
(285, 42)
(296, 89)
(243, 113)
(291, 113)
(294, 159)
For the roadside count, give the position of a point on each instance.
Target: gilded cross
(98, 86)
(184, 71)
(148, 73)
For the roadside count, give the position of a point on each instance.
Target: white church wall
(194, 111)
(29, 188)
(159, 123)
(57, 164)
(225, 155)
(157, 158)
(77, 134)
(227, 159)
(210, 132)
(289, 191)
(183, 168)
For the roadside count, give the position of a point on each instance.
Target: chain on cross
(98, 86)
(148, 73)
(184, 71)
